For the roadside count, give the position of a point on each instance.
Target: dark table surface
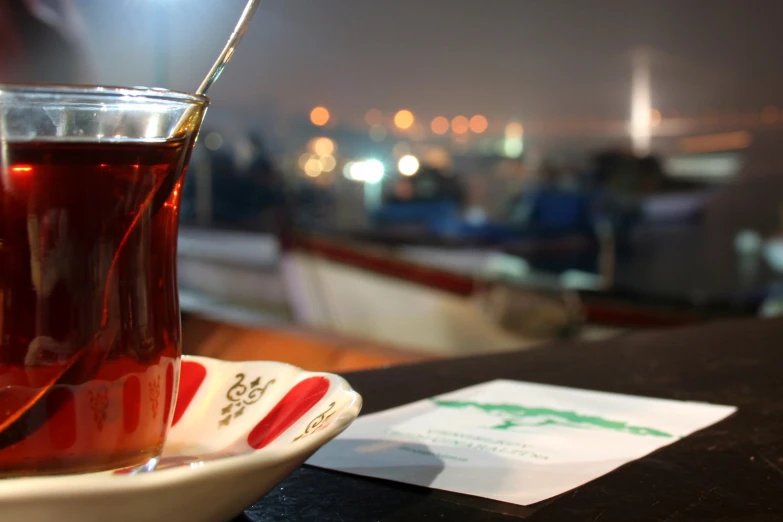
(731, 471)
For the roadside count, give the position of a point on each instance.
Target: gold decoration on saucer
(240, 395)
(318, 423)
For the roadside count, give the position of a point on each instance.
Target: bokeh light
(513, 147)
(347, 169)
(514, 130)
(328, 163)
(460, 125)
(323, 146)
(319, 116)
(437, 157)
(369, 171)
(408, 165)
(478, 124)
(440, 125)
(373, 117)
(313, 168)
(404, 119)
(213, 141)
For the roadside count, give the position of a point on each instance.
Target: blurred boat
(364, 291)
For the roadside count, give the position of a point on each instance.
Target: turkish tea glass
(90, 188)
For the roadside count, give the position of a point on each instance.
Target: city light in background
(440, 125)
(403, 119)
(322, 150)
(320, 159)
(312, 167)
(641, 99)
(347, 170)
(314, 164)
(514, 130)
(408, 155)
(319, 116)
(460, 125)
(408, 165)
(328, 163)
(437, 157)
(322, 146)
(478, 124)
(513, 144)
(407, 143)
(368, 171)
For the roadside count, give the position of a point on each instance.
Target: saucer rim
(97, 483)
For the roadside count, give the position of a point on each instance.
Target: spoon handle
(231, 45)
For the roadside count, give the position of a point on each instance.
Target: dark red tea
(88, 262)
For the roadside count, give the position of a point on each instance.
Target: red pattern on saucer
(239, 428)
(298, 401)
(192, 374)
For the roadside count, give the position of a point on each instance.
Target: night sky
(524, 59)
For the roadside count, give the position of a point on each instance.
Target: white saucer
(239, 429)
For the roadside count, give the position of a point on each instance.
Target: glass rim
(108, 92)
